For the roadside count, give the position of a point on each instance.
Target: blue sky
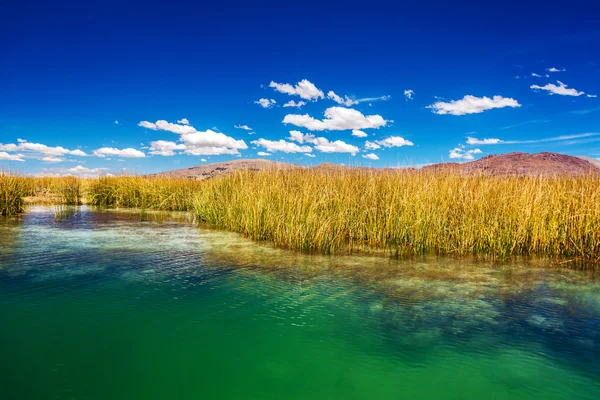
(92, 88)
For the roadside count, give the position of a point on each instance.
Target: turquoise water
(123, 305)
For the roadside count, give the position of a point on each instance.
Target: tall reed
(140, 192)
(12, 191)
(409, 212)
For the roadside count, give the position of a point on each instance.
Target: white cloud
(345, 101)
(203, 159)
(52, 159)
(11, 157)
(162, 125)
(536, 75)
(77, 152)
(592, 95)
(116, 122)
(125, 153)
(194, 142)
(244, 127)
(552, 69)
(371, 156)
(462, 154)
(382, 98)
(475, 141)
(263, 154)
(336, 119)
(325, 146)
(83, 170)
(39, 148)
(165, 148)
(310, 155)
(265, 103)
(560, 90)
(371, 145)
(183, 121)
(292, 103)
(281, 145)
(358, 133)
(297, 136)
(410, 94)
(472, 105)
(394, 141)
(305, 89)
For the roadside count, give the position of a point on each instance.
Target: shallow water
(129, 305)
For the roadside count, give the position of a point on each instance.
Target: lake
(131, 305)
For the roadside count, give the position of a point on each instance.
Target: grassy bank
(330, 211)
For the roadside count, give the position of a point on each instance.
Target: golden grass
(12, 191)
(402, 212)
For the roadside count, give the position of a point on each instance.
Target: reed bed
(409, 212)
(348, 210)
(147, 193)
(12, 191)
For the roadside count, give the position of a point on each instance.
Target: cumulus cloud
(52, 159)
(292, 103)
(371, 156)
(475, 141)
(305, 89)
(325, 146)
(472, 105)
(409, 94)
(263, 154)
(244, 127)
(337, 119)
(116, 122)
(560, 90)
(358, 133)
(281, 145)
(345, 101)
(11, 157)
(183, 121)
(38, 148)
(265, 103)
(310, 155)
(83, 170)
(371, 145)
(165, 148)
(394, 141)
(592, 95)
(462, 154)
(552, 69)
(125, 153)
(192, 141)
(536, 75)
(162, 125)
(297, 136)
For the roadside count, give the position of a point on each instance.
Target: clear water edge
(105, 304)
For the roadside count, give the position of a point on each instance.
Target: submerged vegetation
(347, 210)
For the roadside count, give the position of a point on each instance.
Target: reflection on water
(162, 309)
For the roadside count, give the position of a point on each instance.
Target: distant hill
(520, 164)
(524, 164)
(206, 171)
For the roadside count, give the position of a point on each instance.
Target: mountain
(524, 164)
(206, 171)
(520, 164)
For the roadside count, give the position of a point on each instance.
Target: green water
(122, 305)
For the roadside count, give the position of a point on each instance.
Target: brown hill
(524, 164)
(206, 171)
(520, 164)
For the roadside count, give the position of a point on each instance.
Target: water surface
(129, 305)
